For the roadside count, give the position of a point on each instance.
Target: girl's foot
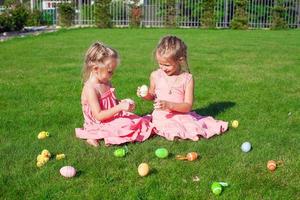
(93, 142)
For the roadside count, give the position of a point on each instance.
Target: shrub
(278, 13)
(35, 18)
(171, 13)
(66, 14)
(208, 18)
(240, 20)
(14, 17)
(19, 15)
(6, 22)
(102, 14)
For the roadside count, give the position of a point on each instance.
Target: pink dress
(181, 125)
(121, 128)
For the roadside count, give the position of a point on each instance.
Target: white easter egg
(68, 171)
(130, 101)
(246, 147)
(144, 90)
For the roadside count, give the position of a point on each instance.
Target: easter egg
(235, 123)
(191, 156)
(271, 165)
(67, 171)
(39, 157)
(130, 101)
(43, 135)
(161, 153)
(246, 147)
(119, 152)
(143, 90)
(39, 164)
(216, 188)
(143, 169)
(46, 153)
(60, 156)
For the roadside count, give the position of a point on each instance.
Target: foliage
(170, 13)
(6, 22)
(66, 14)
(278, 14)
(14, 17)
(102, 14)
(208, 18)
(35, 18)
(240, 18)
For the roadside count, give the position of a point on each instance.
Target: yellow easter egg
(143, 169)
(39, 157)
(46, 153)
(45, 159)
(60, 156)
(235, 123)
(43, 135)
(39, 164)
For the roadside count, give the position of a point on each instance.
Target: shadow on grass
(212, 109)
(215, 108)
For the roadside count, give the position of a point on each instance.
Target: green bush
(66, 14)
(278, 21)
(171, 13)
(240, 18)
(102, 14)
(6, 22)
(19, 15)
(14, 18)
(35, 18)
(208, 18)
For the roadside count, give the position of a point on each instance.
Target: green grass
(252, 76)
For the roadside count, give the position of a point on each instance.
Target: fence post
(298, 14)
(31, 5)
(79, 11)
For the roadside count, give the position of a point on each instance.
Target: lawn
(251, 76)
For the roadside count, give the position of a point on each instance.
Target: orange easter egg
(192, 156)
(271, 165)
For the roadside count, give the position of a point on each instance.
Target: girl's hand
(127, 105)
(163, 105)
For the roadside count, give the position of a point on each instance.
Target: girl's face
(104, 74)
(169, 66)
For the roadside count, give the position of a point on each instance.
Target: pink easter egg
(68, 171)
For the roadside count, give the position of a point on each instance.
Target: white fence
(188, 13)
(2, 9)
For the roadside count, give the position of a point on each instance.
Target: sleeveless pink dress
(121, 128)
(181, 125)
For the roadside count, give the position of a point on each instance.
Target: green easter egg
(216, 188)
(120, 152)
(161, 153)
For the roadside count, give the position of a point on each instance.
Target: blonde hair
(96, 55)
(173, 48)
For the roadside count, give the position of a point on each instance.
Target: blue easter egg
(246, 147)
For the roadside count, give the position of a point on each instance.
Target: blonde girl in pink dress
(104, 116)
(172, 90)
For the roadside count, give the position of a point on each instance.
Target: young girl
(172, 89)
(104, 116)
